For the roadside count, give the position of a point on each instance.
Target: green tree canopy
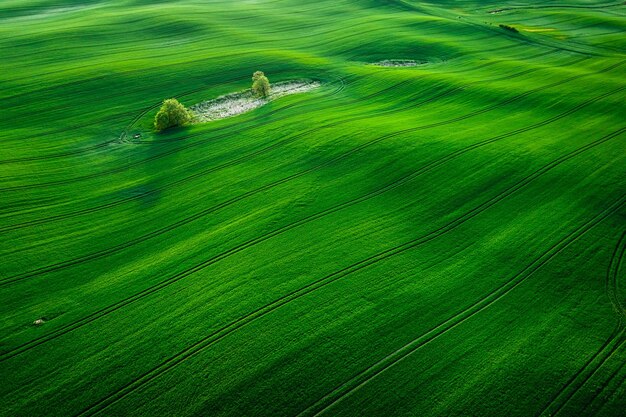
(172, 113)
(260, 84)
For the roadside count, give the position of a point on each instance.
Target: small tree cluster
(171, 114)
(509, 28)
(260, 84)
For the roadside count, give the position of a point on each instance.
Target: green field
(445, 239)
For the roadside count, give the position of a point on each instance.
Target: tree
(172, 113)
(509, 28)
(260, 84)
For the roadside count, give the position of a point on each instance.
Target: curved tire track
(128, 166)
(610, 346)
(175, 278)
(341, 86)
(189, 219)
(368, 374)
(214, 337)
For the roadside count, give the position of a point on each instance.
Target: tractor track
(117, 248)
(138, 116)
(216, 258)
(143, 112)
(480, 305)
(140, 196)
(610, 346)
(127, 166)
(591, 366)
(603, 388)
(39, 199)
(371, 372)
(202, 50)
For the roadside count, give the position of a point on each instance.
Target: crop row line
(214, 337)
(130, 165)
(244, 158)
(127, 166)
(189, 219)
(368, 374)
(153, 106)
(203, 50)
(238, 248)
(610, 346)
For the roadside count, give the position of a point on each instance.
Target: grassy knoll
(442, 239)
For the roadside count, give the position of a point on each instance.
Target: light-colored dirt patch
(238, 103)
(395, 63)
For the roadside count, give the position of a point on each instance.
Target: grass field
(443, 239)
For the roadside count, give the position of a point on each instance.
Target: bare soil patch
(234, 104)
(398, 63)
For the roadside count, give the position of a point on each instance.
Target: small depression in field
(234, 104)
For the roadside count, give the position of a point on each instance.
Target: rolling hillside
(440, 239)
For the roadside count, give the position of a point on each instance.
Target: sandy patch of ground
(395, 63)
(238, 103)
